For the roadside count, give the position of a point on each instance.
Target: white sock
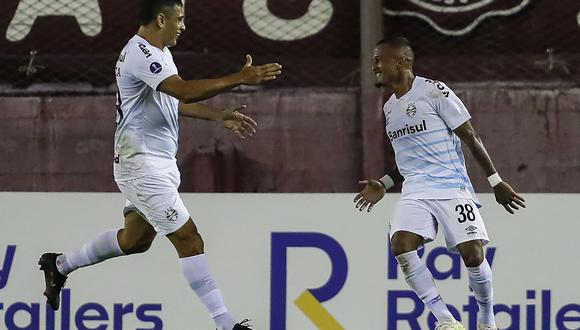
(421, 281)
(198, 275)
(103, 247)
(480, 283)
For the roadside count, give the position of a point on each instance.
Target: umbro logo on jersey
(411, 109)
(171, 214)
(155, 67)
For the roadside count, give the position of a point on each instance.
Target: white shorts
(459, 219)
(155, 198)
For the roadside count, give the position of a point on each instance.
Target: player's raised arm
(374, 190)
(504, 193)
(190, 91)
(232, 118)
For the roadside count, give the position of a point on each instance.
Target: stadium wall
(309, 140)
(284, 260)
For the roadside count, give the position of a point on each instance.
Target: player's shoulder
(139, 50)
(433, 88)
(430, 82)
(392, 99)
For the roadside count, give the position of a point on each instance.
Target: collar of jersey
(408, 92)
(145, 40)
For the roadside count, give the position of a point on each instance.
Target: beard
(380, 82)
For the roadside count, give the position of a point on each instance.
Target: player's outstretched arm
(190, 91)
(374, 190)
(241, 125)
(504, 193)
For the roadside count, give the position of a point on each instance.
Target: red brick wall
(308, 141)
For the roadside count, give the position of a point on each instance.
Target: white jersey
(428, 153)
(147, 120)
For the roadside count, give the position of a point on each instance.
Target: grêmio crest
(453, 17)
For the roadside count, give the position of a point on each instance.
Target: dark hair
(396, 41)
(151, 8)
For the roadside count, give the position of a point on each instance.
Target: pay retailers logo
(90, 315)
(532, 308)
(310, 301)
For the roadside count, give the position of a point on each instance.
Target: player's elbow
(472, 140)
(467, 134)
(182, 90)
(184, 96)
(187, 99)
(192, 96)
(472, 136)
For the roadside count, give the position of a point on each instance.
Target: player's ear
(400, 63)
(161, 20)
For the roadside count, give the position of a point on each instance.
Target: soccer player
(426, 123)
(151, 95)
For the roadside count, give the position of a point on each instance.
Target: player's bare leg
(480, 281)
(404, 245)
(189, 245)
(404, 242)
(135, 237)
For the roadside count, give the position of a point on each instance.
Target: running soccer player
(426, 123)
(151, 95)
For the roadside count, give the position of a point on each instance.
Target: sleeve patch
(155, 67)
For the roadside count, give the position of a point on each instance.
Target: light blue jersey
(420, 127)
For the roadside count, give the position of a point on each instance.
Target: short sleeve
(149, 66)
(448, 105)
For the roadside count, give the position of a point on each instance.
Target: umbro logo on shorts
(171, 214)
(471, 230)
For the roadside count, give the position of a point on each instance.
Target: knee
(399, 247)
(131, 245)
(474, 257)
(196, 243)
(403, 242)
(137, 247)
(188, 241)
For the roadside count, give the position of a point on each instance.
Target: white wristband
(494, 180)
(387, 181)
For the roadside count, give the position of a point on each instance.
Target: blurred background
(515, 64)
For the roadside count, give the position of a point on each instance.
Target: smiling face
(390, 63)
(385, 66)
(172, 24)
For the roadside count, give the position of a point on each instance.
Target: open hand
(371, 194)
(241, 125)
(507, 197)
(255, 75)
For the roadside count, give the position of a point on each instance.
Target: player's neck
(404, 85)
(154, 39)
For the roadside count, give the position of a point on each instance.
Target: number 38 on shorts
(465, 212)
(458, 218)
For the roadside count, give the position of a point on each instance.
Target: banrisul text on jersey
(408, 129)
